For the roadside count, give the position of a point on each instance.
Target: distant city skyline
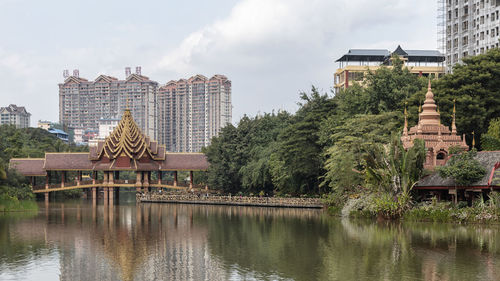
(271, 50)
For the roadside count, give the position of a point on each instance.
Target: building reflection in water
(190, 242)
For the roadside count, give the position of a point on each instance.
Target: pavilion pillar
(138, 181)
(78, 178)
(94, 177)
(111, 194)
(47, 180)
(46, 194)
(190, 179)
(105, 186)
(160, 175)
(94, 193)
(175, 178)
(146, 180)
(63, 176)
(111, 178)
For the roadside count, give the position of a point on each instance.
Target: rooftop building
(353, 66)
(15, 115)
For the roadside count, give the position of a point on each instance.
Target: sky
(271, 50)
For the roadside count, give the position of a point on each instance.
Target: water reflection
(80, 241)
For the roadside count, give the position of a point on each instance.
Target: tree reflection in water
(190, 242)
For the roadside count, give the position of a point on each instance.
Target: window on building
(481, 20)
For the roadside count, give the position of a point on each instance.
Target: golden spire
(429, 114)
(126, 140)
(473, 140)
(453, 126)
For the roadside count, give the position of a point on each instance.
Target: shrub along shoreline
(369, 207)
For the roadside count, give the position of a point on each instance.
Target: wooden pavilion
(126, 149)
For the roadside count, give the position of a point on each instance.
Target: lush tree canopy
(24, 143)
(325, 144)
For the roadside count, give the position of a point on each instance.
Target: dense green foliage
(239, 157)
(475, 85)
(324, 147)
(463, 168)
(24, 143)
(491, 140)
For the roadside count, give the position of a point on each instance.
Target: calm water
(76, 241)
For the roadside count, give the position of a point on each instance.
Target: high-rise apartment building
(184, 115)
(467, 27)
(15, 115)
(192, 111)
(83, 103)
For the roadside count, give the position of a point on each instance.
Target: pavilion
(126, 149)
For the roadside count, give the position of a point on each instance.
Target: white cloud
(272, 49)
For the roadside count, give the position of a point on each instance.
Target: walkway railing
(231, 200)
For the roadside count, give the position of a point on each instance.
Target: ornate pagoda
(126, 149)
(437, 137)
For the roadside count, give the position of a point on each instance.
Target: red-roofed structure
(126, 149)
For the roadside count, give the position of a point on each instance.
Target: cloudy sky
(271, 50)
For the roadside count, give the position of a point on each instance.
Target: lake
(76, 240)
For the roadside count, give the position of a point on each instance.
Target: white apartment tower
(15, 115)
(83, 103)
(193, 111)
(471, 27)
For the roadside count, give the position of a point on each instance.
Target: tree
(491, 140)
(463, 168)
(239, 157)
(475, 85)
(389, 88)
(393, 169)
(350, 140)
(298, 161)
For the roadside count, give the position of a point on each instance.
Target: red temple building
(437, 137)
(126, 149)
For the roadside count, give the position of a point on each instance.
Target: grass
(12, 204)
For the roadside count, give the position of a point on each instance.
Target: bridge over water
(125, 150)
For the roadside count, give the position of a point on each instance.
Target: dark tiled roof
(488, 159)
(29, 166)
(424, 53)
(67, 161)
(185, 161)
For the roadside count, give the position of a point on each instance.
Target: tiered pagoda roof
(127, 148)
(437, 137)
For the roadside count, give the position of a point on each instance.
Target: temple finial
(473, 140)
(429, 84)
(453, 125)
